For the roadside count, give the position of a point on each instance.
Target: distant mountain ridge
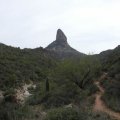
(61, 47)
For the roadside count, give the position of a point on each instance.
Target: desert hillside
(59, 83)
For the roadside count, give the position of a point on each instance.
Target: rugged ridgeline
(61, 47)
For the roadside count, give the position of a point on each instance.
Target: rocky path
(23, 93)
(100, 105)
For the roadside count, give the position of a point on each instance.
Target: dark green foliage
(47, 85)
(63, 87)
(57, 96)
(112, 83)
(110, 58)
(80, 72)
(92, 88)
(59, 83)
(65, 114)
(22, 66)
(74, 114)
(9, 111)
(112, 93)
(112, 102)
(62, 95)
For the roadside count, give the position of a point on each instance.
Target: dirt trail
(100, 104)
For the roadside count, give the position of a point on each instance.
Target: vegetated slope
(17, 69)
(100, 105)
(70, 89)
(110, 57)
(18, 66)
(61, 47)
(111, 64)
(58, 84)
(66, 81)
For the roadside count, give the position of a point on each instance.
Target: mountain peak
(61, 47)
(60, 37)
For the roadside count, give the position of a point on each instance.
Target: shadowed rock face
(61, 47)
(60, 37)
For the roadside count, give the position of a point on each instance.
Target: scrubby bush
(10, 111)
(112, 94)
(65, 114)
(75, 114)
(69, 82)
(80, 72)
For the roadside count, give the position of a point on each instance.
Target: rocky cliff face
(61, 47)
(60, 37)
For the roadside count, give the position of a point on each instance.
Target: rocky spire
(60, 37)
(61, 48)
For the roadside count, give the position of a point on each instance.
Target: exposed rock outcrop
(60, 37)
(61, 47)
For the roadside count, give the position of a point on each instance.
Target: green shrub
(10, 111)
(75, 114)
(112, 102)
(112, 93)
(65, 114)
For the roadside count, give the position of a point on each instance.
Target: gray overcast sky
(90, 25)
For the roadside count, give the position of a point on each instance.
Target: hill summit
(60, 37)
(61, 47)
